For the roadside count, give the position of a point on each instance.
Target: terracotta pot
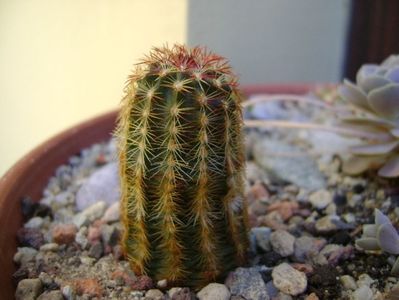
(29, 175)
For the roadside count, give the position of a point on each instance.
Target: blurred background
(62, 62)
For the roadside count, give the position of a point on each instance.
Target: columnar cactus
(182, 168)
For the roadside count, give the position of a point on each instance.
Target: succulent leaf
(370, 244)
(358, 164)
(375, 149)
(395, 268)
(390, 169)
(385, 101)
(393, 74)
(370, 230)
(373, 82)
(388, 238)
(376, 95)
(380, 218)
(354, 95)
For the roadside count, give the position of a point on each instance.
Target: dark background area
(373, 33)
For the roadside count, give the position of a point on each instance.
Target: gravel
(304, 214)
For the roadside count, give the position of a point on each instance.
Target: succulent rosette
(381, 236)
(375, 95)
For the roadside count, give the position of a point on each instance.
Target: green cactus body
(182, 168)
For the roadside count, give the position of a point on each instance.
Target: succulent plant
(182, 168)
(381, 236)
(376, 97)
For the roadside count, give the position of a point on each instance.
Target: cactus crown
(182, 167)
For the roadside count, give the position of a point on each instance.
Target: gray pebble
(214, 291)
(68, 292)
(45, 278)
(248, 283)
(320, 199)
(162, 283)
(51, 295)
(288, 280)
(282, 242)
(271, 289)
(102, 185)
(35, 222)
(80, 220)
(363, 293)
(50, 247)
(348, 282)
(25, 255)
(306, 246)
(81, 238)
(364, 279)
(262, 237)
(154, 294)
(109, 234)
(96, 250)
(326, 224)
(300, 170)
(94, 212)
(28, 289)
(112, 214)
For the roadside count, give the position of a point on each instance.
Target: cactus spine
(182, 168)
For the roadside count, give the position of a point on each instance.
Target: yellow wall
(64, 61)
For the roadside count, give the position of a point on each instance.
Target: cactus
(182, 168)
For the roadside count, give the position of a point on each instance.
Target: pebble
(80, 220)
(364, 279)
(320, 199)
(81, 239)
(299, 169)
(363, 293)
(282, 296)
(282, 242)
(214, 291)
(109, 235)
(288, 280)
(162, 283)
(68, 292)
(112, 214)
(88, 286)
(94, 234)
(95, 211)
(64, 233)
(271, 289)
(173, 291)
(25, 255)
(30, 237)
(326, 224)
(312, 296)
(142, 282)
(348, 282)
(45, 279)
(154, 294)
(102, 185)
(306, 246)
(53, 247)
(51, 295)
(248, 283)
(35, 222)
(96, 250)
(286, 209)
(262, 237)
(28, 289)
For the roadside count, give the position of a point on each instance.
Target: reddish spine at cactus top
(182, 168)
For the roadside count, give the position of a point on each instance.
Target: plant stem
(314, 126)
(293, 98)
